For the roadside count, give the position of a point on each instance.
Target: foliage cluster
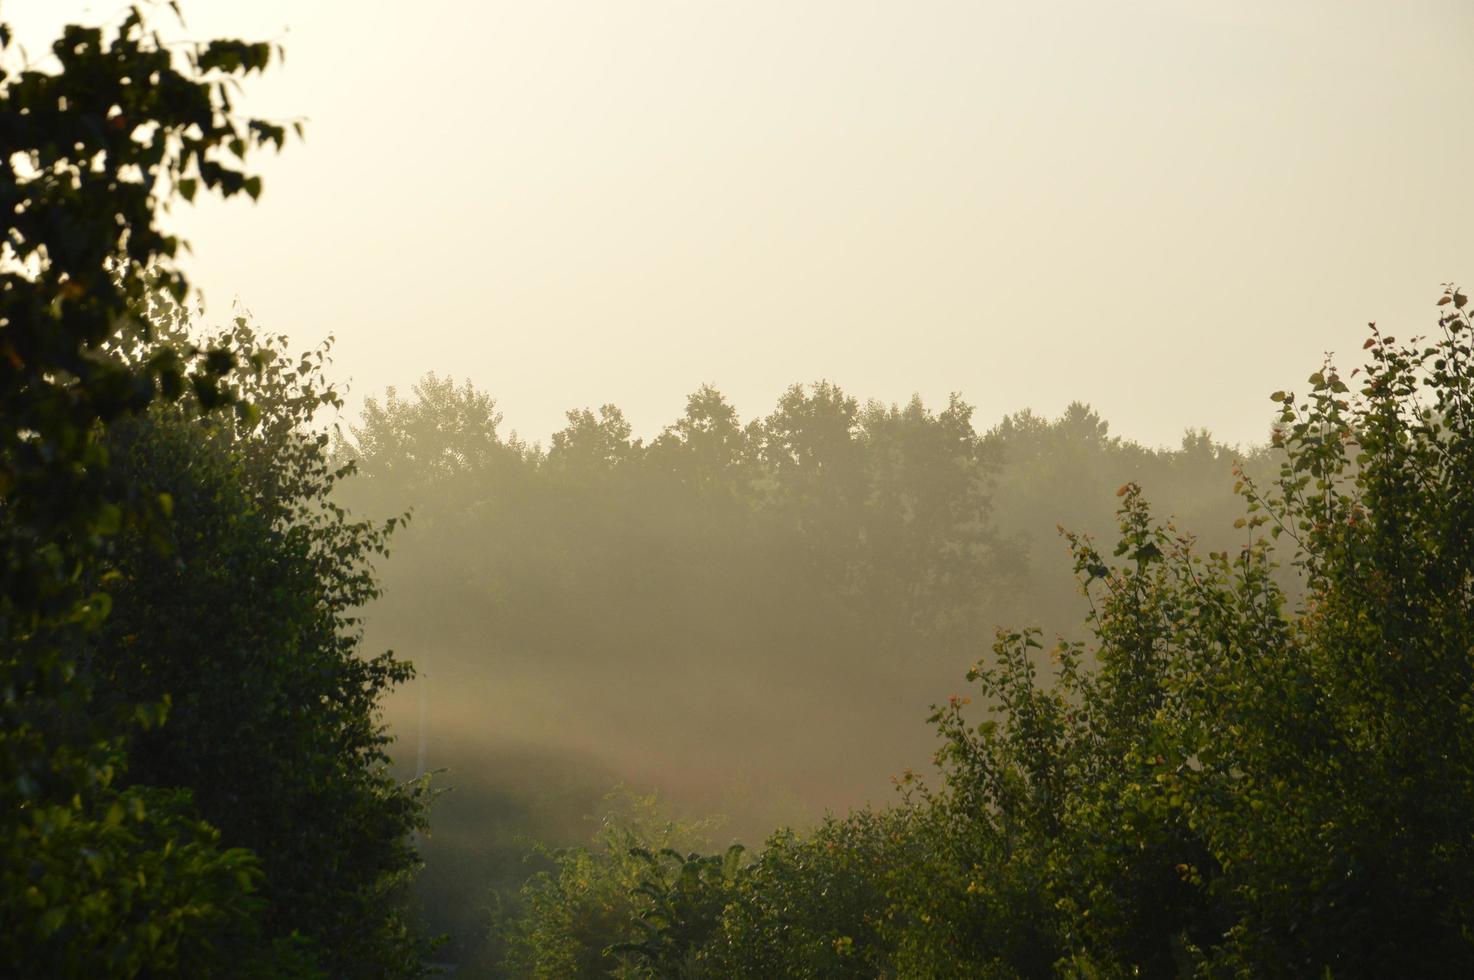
(240, 613)
(567, 920)
(902, 527)
(1225, 779)
(192, 776)
(878, 508)
(782, 596)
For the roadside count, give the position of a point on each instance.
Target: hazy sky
(1166, 209)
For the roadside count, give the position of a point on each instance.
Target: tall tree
(707, 448)
(96, 879)
(241, 614)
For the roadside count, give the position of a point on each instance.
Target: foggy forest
(841, 668)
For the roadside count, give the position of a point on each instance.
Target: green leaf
(109, 520)
(53, 919)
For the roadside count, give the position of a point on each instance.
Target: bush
(237, 616)
(1247, 770)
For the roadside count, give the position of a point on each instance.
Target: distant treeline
(1249, 753)
(915, 528)
(1254, 760)
(750, 616)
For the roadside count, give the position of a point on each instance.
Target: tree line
(1256, 760)
(750, 615)
(1246, 753)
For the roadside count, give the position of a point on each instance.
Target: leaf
(109, 520)
(219, 361)
(53, 919)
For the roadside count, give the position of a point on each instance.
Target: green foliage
(247, 630)
(684, 898)
(825, 904)
(145, 887)
(581, 917)
(1229, 778)
(192, 774)
(89, 156)
(1241, 782)
(1063, 473)
(97, 877)
(782, 596)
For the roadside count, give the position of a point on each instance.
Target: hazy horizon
(618, 203)
(936, 601)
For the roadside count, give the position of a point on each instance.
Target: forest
(847, 689)
(751, 618)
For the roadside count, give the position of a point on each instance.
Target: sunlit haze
(1135, 205)
(822, 488)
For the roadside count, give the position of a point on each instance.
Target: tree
(570, 920)
(96, 879)
(1247, 782)
(593, 444)
(930, 546)
(810, 446)
(1229, 777)
(240, 613)
(708, 448)
(442, 435)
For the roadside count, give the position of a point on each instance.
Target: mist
(703, 489)
(1139, 205)
(750, 617)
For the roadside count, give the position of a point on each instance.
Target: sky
(1164, 208)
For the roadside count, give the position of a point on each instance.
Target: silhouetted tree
(96, 879)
